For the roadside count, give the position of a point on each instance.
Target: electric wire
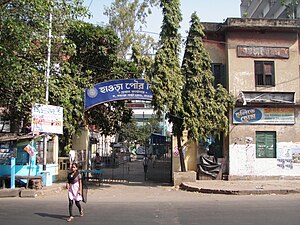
(90, 4)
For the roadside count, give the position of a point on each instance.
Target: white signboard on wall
(47, 119)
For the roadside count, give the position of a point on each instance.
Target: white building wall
(243, 161)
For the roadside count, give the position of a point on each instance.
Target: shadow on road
(56, 216)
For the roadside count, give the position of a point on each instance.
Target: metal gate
(132, 170)
(160, 169)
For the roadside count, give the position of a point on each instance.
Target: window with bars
(264, 73)
(265, 144)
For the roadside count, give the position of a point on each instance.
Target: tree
(66, 90)
(23, 47)
(81, 55)
(291, 8)
(96, 51)
(205, 107)
(126, 17)
(142, 61)
(133, 133)
(167, 81)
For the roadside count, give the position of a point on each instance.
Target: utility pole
(144, 132)
(47, 86)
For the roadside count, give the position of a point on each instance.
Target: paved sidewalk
(238, 187)
(243, 187)
(136, 177)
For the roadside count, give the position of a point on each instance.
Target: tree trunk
(181, 156)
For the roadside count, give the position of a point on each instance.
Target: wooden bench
(33, 181)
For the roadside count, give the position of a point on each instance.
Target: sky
(207, 11)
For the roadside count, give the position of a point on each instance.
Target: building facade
(257, 60)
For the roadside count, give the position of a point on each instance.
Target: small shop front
(21, 161)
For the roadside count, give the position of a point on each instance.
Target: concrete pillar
(191, 157)
(55, 149)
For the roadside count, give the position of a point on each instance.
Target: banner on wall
(263, 116)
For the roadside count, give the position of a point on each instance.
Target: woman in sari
(74, 186)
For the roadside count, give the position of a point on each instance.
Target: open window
(219, 72)
(264, 73)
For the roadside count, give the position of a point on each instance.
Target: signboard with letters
(117, 90)
(263, 52)
(47, 119)
(249, 115)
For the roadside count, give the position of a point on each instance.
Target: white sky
(207, 10)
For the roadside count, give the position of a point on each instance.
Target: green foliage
(167, 81)
(95, 48)
(187, 93)
(23, 46)
(66, 90)
(125, 16)
(81, 55)
(109, 117)
(205, 107)
(291, 8)
(96, 51)
(143, 62)
(131, 133)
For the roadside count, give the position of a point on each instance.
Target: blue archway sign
(134, 89)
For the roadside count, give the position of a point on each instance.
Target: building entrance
(120, 166)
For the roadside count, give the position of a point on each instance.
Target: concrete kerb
(5, 193)
(31, 193)
(28, 193)
(186, 187)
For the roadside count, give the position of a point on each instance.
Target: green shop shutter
(270, 139)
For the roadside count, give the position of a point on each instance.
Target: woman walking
(74, 187)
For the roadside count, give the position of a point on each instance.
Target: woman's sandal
(81, 213)
(70, 218)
